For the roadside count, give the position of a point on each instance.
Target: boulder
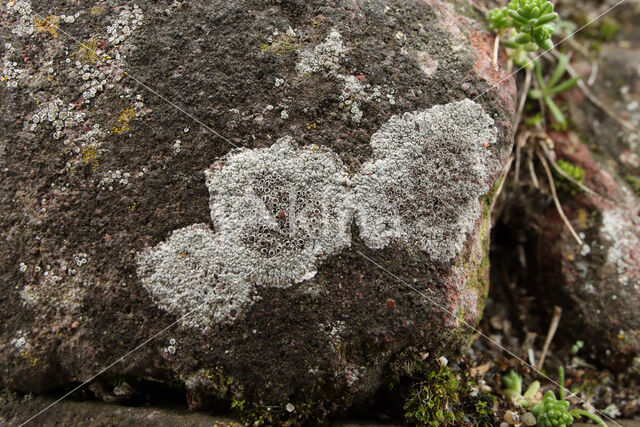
(263, 201)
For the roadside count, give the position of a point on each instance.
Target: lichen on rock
(429, 170)
(325, 56)
(277, 211)
(280, 210)
(622, 228)
(184, 276)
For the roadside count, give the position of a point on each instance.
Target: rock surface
(112, 117)
(70, 413)
(598, 283)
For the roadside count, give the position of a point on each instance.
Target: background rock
(112, 114)
(597, 284)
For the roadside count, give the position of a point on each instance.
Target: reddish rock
(97, 170)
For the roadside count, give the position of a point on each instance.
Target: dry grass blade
(532, 172)
(523, 96)
(520, 142)
(556, 200)
(567, 177)
(553, 327)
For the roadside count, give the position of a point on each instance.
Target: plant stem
(581, 412)
(561, 382)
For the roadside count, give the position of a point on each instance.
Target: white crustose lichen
(283, 207)
(278, 212)
(185, 276)
(422, 187)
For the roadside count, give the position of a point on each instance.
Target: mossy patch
(304, 412)
(439, 395)
(634, 183)
(281, 44)
(574, 171)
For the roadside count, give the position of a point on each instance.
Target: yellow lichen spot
(311, 126)
(132, 207)
(281, 44)
(29, 357)
(87, 52)
(621, 336)
(314, 23)
(89, 156)
(582, 218)
(3, 79)
(96, 10)
(48, 25)
(570, 257)
(123, 120)
(314, 148)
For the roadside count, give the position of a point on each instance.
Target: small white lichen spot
(326, 56)
(184, 274)
(423, 185)
(279, 211)
(622, 228)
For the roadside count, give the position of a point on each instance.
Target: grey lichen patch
(326, 56)
(279, 211)
(185, 276)
(622, 227)
(422, 187)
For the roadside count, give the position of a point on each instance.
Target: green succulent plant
(499, 19)
(549, 412)
(552, 412)
(512, 383)
(547, 89)
(529, 25)
(532, 19)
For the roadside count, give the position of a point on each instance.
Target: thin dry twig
(556, 200)
(496, 45)
(520, 142)
(523, 96)
(566, 176)
(532, 171)
(553, 327)
(584, 52)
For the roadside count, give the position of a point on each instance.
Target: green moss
(634, 183)
(305, 412)
(439, 397)
(608, 28)
(574, 171)
(479, 275)
(220, 380)
(435, 401)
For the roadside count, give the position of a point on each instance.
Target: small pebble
(529, 419)
(511, 417)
